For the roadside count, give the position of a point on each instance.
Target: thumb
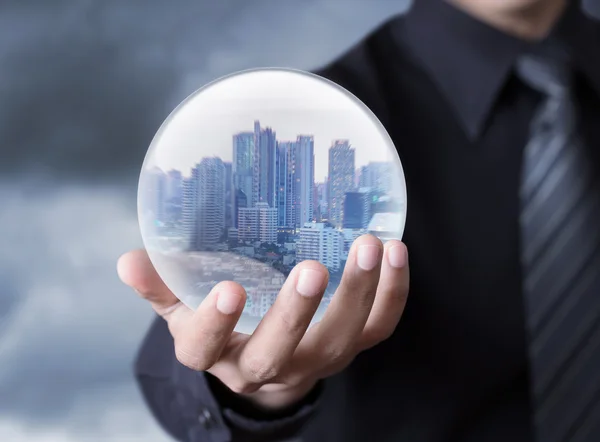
(136, 270)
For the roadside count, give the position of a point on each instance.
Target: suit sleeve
(194, 406)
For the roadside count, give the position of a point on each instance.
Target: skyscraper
(211, 202)
(264, 165)
(320, 201)
(258, 223)
(341, 178)
(305, 179)
(357, 210)
(377, 175)
(267, 223)
(300, 181)
(173, 193)
(173, 185)
(242, 170)
(155, 191)
(320, 242)
(247, 224)
(283, 199)
(291, 192)
(229, 195)
(189, 222)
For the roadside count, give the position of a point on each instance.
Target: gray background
(84, 85)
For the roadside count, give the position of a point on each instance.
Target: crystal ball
(258, 171)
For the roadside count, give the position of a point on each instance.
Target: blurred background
(84, 85)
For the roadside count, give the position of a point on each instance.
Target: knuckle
(211, 339)
(294, 380)
(336, 355)
(241, 386)
(364, 294)
(261, 370)
(194, 360)
(377, 334)
(396, 301)
(361, 290)
(292, 323)
(143, 293)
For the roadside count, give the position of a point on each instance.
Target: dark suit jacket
(456, 367)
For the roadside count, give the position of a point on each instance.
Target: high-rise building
(364, 177)
(240, 201)
(300, 181)
(332, 249)
(189, 221)
(341, 178)
(357, 210)
(173, 188)
(317, 213)
(247, 224)
(377, 175)
(229, 195)
(257, 223)
(322, 200)
(242, 169)
(264, 165)
(358, 176)
(267, 223)
(172, 197)
(291, 192)
(283, 197)
(211, 202)
(305, 178)
(155, 192)
(321, 242)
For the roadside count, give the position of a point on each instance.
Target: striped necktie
(560, 248)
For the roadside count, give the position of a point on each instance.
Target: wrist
(270, 403)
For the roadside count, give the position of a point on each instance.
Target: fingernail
(309, 282)
(397, 256)
(368, 257)
(228, 303)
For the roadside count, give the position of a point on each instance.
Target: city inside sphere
(258, 171)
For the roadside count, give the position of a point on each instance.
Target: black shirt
(442, 84)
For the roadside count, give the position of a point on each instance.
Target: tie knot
(549, 74)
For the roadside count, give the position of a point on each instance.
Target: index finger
(333, 340)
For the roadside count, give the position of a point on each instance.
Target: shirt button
(205, 418)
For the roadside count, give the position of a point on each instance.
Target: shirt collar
(581, 35)
(471, 61)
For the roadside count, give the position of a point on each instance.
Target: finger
(391, 296)
(199, 343)
(332, 341)
(136, 270)
(275, 339)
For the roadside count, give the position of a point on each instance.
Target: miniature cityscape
(253, 219)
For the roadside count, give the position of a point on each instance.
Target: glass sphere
(257, 171)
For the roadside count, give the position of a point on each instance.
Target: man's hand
(281, 361)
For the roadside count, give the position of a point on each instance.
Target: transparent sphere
(260, 170)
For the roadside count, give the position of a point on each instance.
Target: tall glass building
(341, 179)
